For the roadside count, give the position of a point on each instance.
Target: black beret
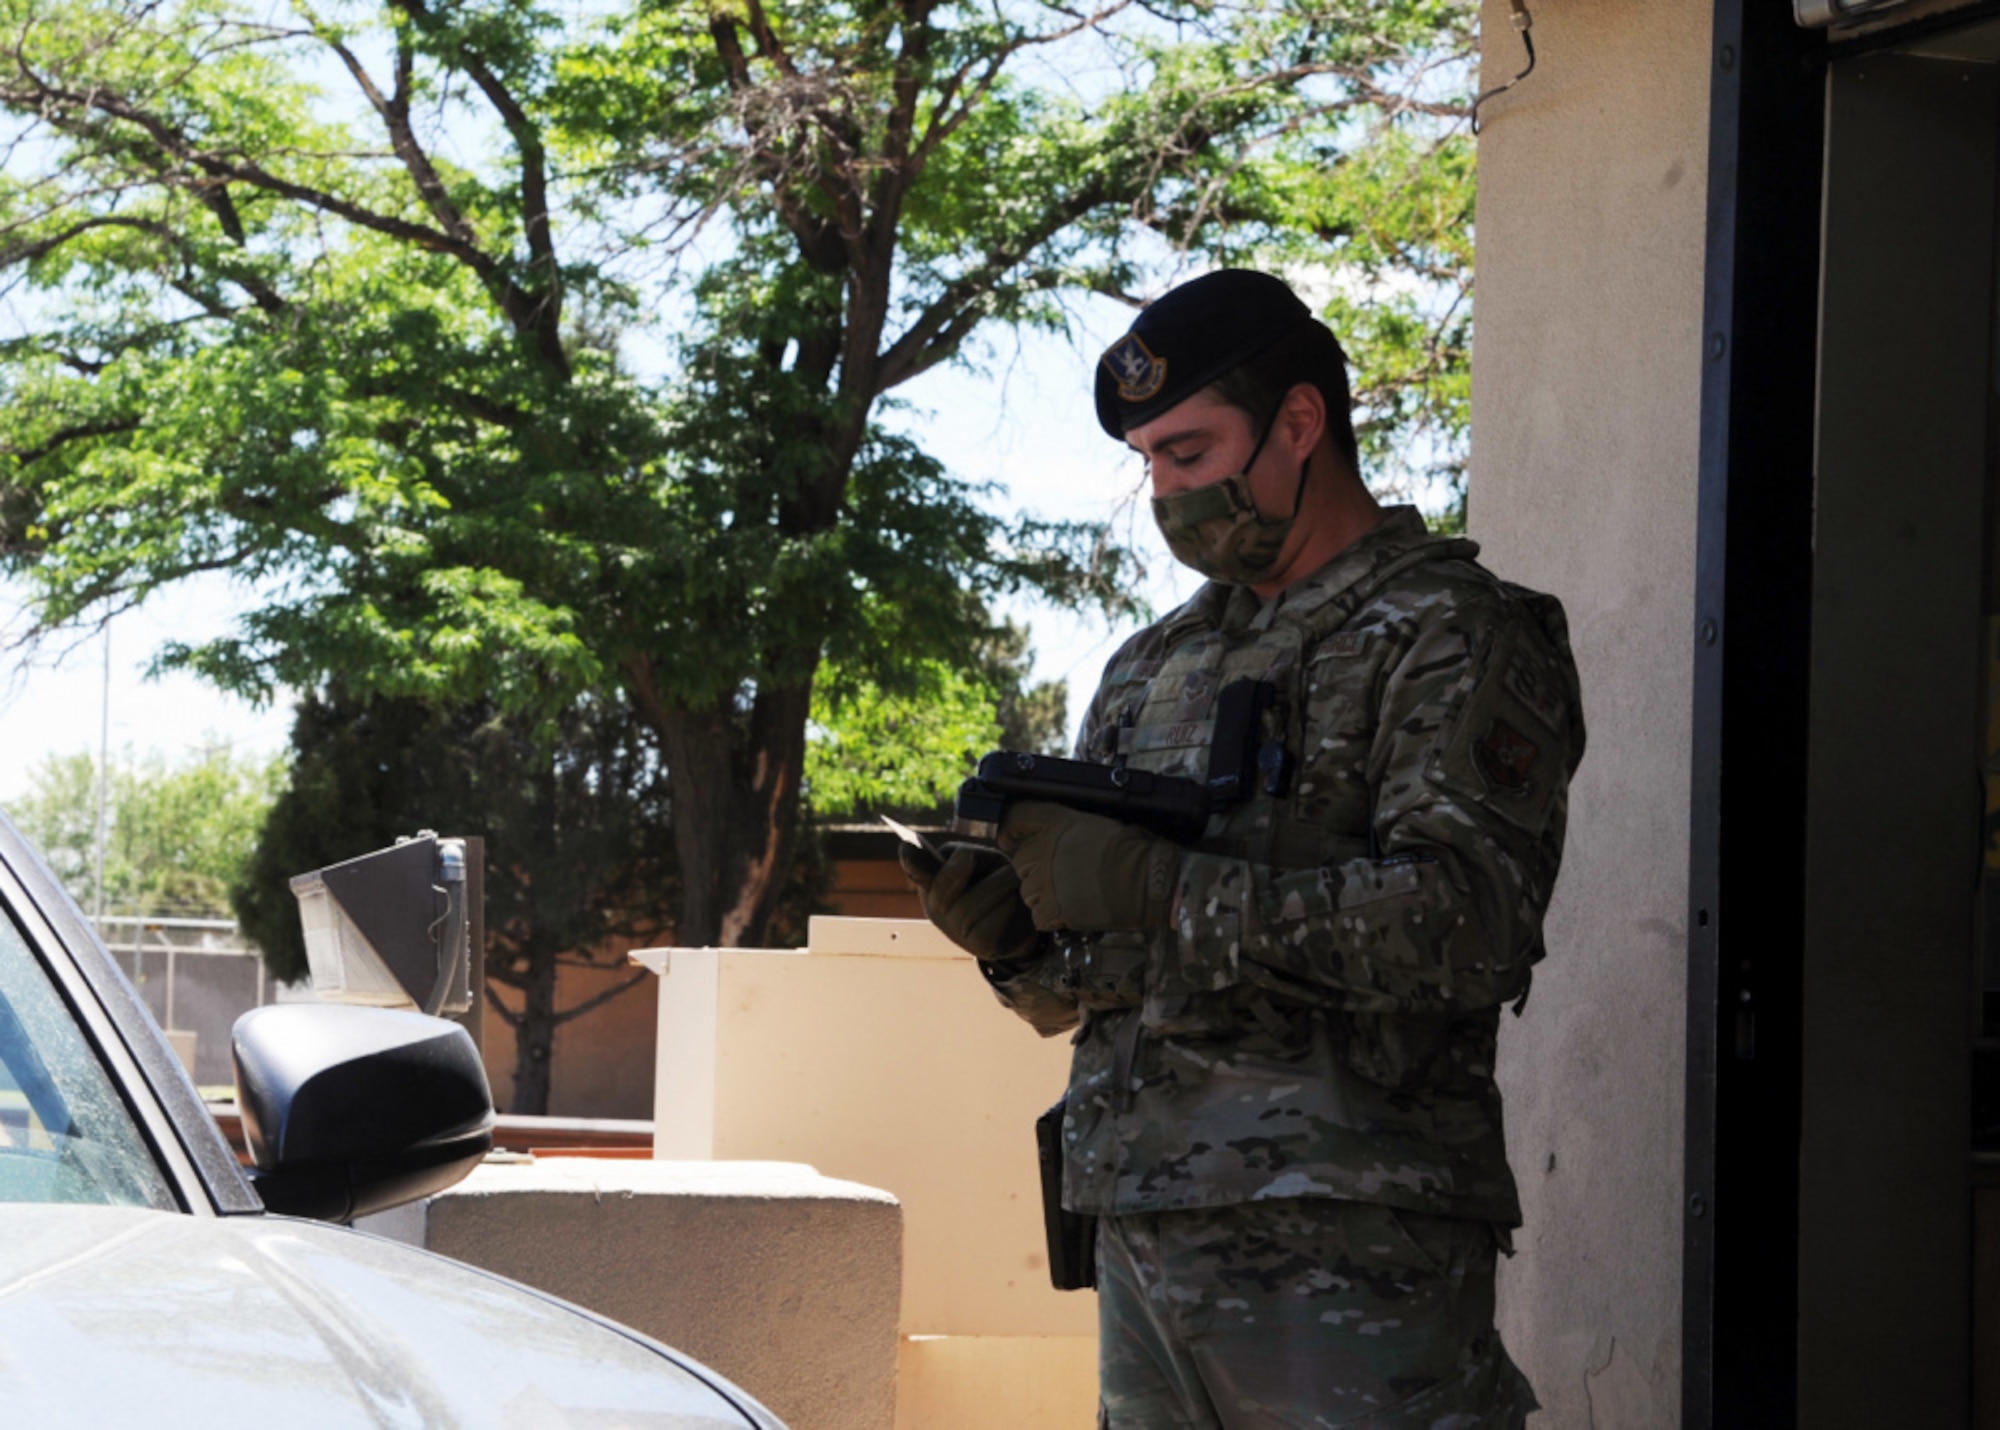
(1189, 338)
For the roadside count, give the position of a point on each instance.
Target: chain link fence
(197, 976)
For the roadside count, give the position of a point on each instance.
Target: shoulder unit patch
(1506, 758)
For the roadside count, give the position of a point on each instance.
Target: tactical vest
(1162, 717)
(1407, 1104)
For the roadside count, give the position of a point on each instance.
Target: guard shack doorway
(1904, 604)
(1841, 1032)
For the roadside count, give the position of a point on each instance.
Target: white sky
(55, 703)
(1027, 423)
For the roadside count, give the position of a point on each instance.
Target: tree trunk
(535, 1035)
(735, 778)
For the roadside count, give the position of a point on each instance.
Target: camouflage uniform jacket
(1322, 1020)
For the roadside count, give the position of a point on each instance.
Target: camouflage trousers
(1301, 1313)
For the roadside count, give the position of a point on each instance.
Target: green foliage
(1032, 717)
(1402, 221)
(905, 750)
(908, 751)
(350, 302)
(178, 836)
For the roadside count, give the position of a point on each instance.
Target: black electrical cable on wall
(1523, 22)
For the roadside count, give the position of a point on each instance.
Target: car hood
(117, 1316)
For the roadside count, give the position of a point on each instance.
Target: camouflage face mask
(1217, 530)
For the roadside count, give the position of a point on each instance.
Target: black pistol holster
(1072, 1236)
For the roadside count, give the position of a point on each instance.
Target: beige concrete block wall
(603, 1059)
(1586, 372)
(781, 1279)
(880, 1055)
(997, 1383)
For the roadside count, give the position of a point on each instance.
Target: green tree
(873, 750)
(1031, 716)
(345, 303)
(905, 751)
(178, 836)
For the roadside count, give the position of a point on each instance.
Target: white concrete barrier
(784, 1280)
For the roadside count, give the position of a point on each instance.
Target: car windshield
(65, 1134)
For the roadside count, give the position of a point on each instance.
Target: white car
(147, 1279)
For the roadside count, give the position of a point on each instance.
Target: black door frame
(1751, 638)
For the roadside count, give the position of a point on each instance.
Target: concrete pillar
(1586, 400)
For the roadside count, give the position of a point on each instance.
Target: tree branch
(20, 253)
(534, 187)
(945, 120)
(530, 314)
(950, 318)
(768, 44)
(820, 242)
(507, 1015)
(63, 436)
(394, 111)
(261, 293)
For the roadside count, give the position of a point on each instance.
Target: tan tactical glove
(974, 897)
(1089, 874)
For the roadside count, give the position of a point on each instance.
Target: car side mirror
(348, 1111)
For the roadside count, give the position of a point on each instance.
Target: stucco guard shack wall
(1585, 446)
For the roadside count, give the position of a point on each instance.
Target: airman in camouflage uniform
(1282, 1105)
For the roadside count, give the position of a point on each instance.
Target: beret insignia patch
(1505, 758)
(1138, 373)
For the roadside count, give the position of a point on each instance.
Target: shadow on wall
(603, 1060)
